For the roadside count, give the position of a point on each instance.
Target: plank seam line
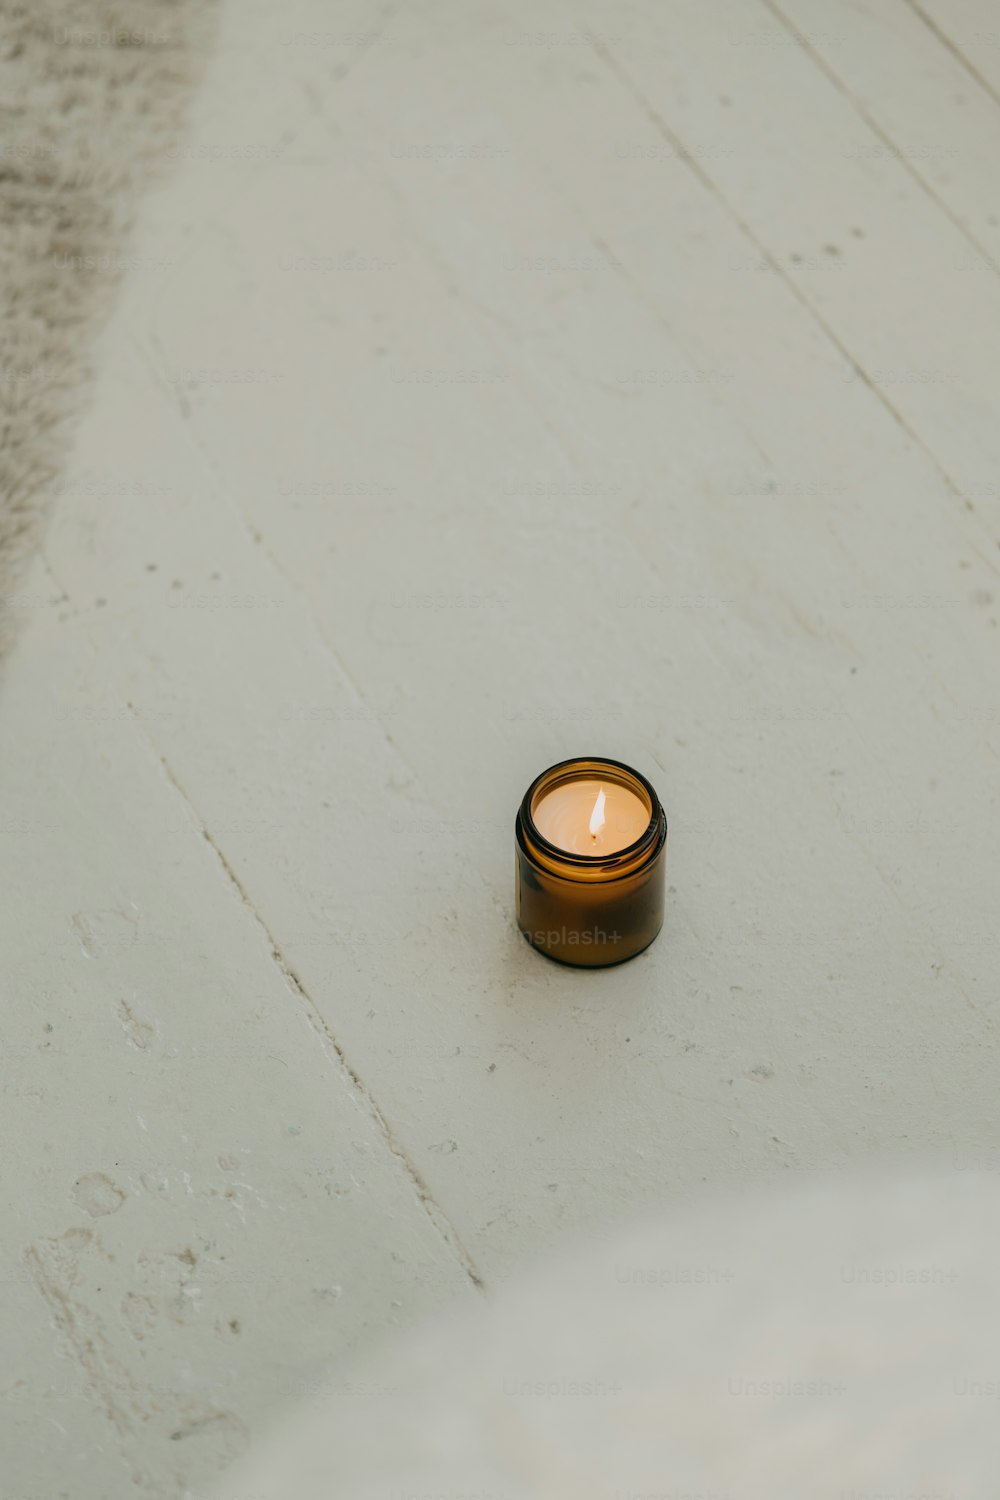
(956, 52)
(319, 1024)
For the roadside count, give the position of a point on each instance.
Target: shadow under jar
(590, 838)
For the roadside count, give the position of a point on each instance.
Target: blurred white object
(836, 1342)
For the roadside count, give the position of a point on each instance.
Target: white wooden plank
(928, 114)
(200, 1205)
(922, 334)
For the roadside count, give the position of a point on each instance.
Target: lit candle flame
(597, 816)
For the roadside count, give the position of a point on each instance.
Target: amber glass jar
(590, 910)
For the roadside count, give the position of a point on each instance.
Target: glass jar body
(590, 912)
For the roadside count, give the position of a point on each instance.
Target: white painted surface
(668, 493)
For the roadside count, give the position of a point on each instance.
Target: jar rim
(591, 866)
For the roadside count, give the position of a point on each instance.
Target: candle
(590, 836)
(589, 817)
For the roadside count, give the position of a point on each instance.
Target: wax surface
(565, 814)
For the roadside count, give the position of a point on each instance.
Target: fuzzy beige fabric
(90, 95)
(825, 1340)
